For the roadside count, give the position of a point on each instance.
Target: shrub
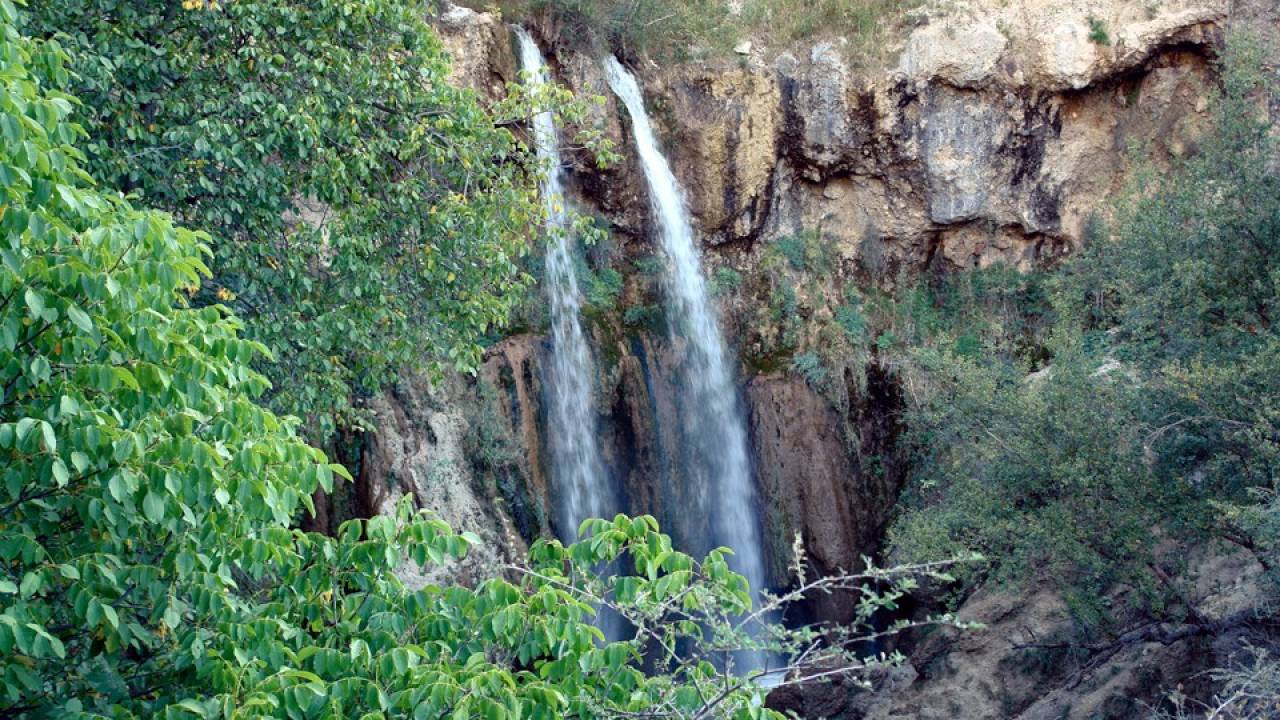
(603, 287)
(1041, 477)
(725, 280)
(1249, 686)
(852, 322)
(649, 317)
(1098, 32)
(810, 367)
(806, 251)
(649, 265)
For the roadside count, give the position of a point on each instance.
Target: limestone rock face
(818, 104)
(963, 57)
(728, 122)
(960, 135)
(419, 451)
(1009, 670)
(512, 372)
(999, 131)
(998, 134)
(1051, 46)
(804, 474)
(995, 674)
(479, 50)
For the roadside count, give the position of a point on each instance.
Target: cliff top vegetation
(680, 30)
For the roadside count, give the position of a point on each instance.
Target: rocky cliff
(1001, 130)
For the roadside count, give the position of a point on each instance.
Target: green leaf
(153, 507)
(109, 614)
(192, 707)
(31, 584)
(171, 616)
(126, 377)
(35, 302)
(80, 318)
(118, 488)
(50, 440)
(71, 198)
(60, 473)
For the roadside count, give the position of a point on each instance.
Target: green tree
(1187, 295)
(150, 568)
(365, 215)
(140, 478)
(1045, 476)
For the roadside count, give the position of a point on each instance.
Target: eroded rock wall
(1031, 661)
(994, 139)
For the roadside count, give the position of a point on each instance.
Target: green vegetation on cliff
(358, 217)
(1154, 416)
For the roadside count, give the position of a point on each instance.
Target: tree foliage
(365, 215)
(1046, 477)
(1190, 293)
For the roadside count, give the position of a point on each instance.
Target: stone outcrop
(420, 450)
(829, 478)
(994, 139)
(996, 136)
(1052, 46)
(1032, 662)
(479, 49)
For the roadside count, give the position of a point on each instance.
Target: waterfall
(714, 426)
(582, 489)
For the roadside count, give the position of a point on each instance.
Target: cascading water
(577, 471)
(713, 421)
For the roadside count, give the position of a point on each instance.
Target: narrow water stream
(714, 425)
(581, 487)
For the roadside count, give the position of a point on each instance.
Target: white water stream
(714, 423)
(582, 489)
